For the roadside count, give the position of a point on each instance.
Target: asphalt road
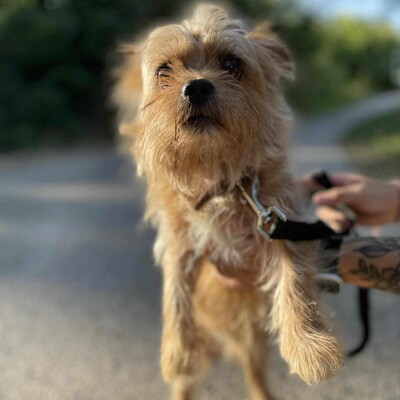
(79, 297)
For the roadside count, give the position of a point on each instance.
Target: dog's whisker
(176, 131)
(247, 97)
(150, 103)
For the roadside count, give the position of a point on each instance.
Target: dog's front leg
(179, 345)
(304, 335)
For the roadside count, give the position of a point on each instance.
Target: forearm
(370, 263)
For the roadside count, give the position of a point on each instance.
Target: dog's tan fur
(246, 130)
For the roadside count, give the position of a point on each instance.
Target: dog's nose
(198, 91)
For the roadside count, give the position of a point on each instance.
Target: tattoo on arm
(387, 279)
(370, 265)
(376, 247)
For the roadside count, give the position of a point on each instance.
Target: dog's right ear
(127, 91)
(270, 48)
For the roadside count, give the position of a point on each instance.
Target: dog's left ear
(270, 48)
(127, 91)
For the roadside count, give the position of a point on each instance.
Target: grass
(374, 146)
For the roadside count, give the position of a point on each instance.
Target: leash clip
(265, 215)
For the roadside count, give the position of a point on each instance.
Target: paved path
(316, 140)
(78, 295)
(79, 298)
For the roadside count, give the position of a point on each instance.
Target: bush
(53, 66)
(338, 61)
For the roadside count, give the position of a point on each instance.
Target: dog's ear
(126, 97)
(127, 91)
(270, 48)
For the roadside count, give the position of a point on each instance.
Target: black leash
(272, 222)
(296, 231)
(364, 310)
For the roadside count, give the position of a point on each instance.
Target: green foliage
(339, 61)
(54, 56)
(53, 66)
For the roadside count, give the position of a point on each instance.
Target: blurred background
(56, 54)
(79, 299)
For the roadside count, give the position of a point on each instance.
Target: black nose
(198, 91)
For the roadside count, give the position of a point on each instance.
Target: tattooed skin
(386, 279)
(373, 247)
(371, 262)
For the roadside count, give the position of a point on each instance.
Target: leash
(272, 222)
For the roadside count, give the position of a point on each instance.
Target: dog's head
(211, 104)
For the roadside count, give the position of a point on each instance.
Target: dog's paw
(177, 360)
(314, 356)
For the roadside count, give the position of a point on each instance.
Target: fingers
(337, 220)
(372, 202)
(337, 179)
(309, 183)
(337, 195)
(345, 178)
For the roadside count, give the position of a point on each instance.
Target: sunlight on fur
(202, 107)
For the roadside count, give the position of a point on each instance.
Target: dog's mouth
(199, 120)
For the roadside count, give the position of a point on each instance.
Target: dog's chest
(223, 232)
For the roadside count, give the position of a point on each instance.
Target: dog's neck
(223, 187)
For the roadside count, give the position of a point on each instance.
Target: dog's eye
(163, 71)
(232, 65)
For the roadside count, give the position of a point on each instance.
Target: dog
(203, 104)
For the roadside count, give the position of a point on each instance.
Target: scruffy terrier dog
(211, 117)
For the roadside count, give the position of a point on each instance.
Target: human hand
(374, 202)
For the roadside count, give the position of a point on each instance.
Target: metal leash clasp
(264, 215)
